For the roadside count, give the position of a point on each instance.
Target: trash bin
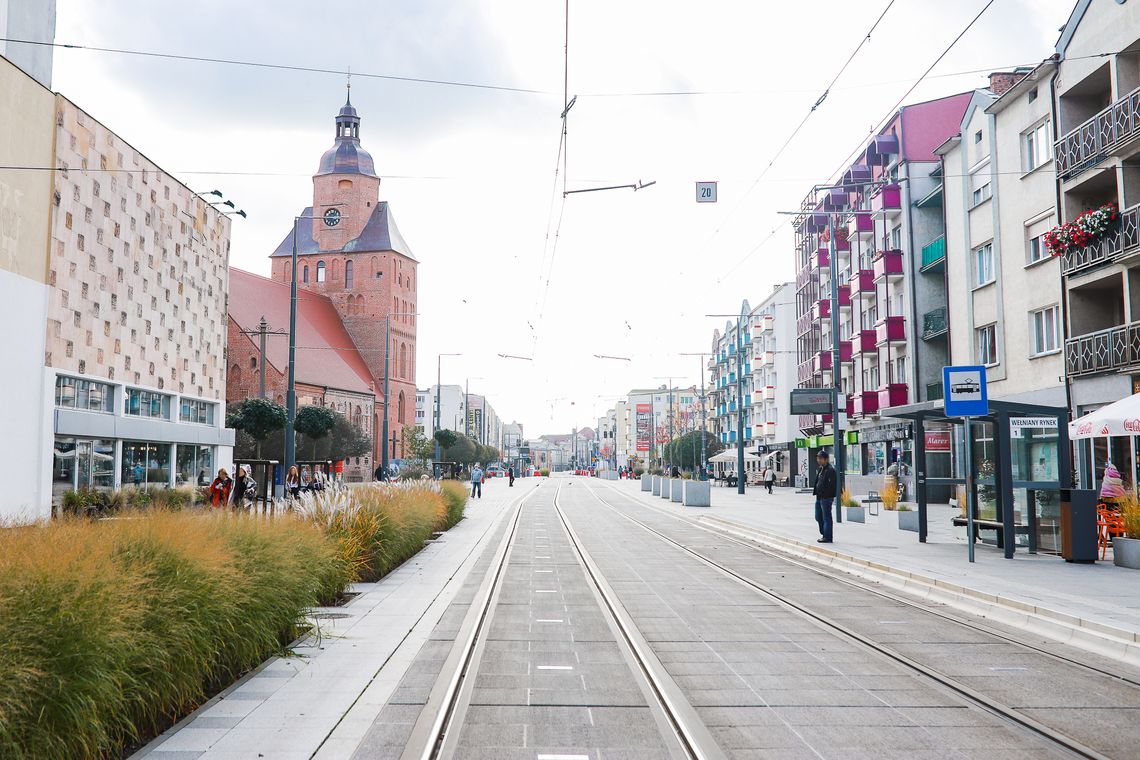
(1078, 525)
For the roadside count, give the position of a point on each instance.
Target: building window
(985, 345)
(1043, 327)
(88, 395)
(1036, 250)
(145, 464)
(348, 274)
(1036, 147)
(305, 274)
(140, 403)
(320, 271)
(984, 265)
(980, 186)
(195, 465)
(197, 412)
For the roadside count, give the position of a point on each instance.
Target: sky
(470, 172)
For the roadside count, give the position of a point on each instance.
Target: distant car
(966, 386)
(496, 472)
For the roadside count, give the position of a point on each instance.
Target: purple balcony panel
(880, 150)
(857, 176)
(821, 259)
(821, 309)
(862, 282)
(821, 362)
(888, 198)
(844, 296)
(860, 224)
(816, 222)
(893, 394)
(844, 351)
(865, 403)
(836, 200)
(849, 405)
(890, 330)
(864, 342)
(888, 264)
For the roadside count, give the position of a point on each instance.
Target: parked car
(495, 471)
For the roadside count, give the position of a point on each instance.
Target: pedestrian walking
(477, 482)
(320, 480)
(511, 477)
(244, 490)
(295, 482)
(675, 472)
(769, 478)
(220, 489)
(824, 492)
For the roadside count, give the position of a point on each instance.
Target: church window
(305, 274)
(348, 274)
(253, 362)
(320, 271)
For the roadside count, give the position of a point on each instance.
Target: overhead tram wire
(815, 106)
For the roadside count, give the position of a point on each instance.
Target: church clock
(332, 217)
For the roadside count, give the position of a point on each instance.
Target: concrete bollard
(646, 483)
(656, 488)
(666, 488)
(697, 493)
(678, 489)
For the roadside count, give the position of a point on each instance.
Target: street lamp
(438, 381)
(704, 420)
(669, 413)
(739, 396)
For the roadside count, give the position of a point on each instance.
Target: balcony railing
(1108, 350)
(934, 323)
(820, 259)
(892, 394)
(1123, 240)
(862, 283)
(934, 253)
(865, 403)
(890, 330)
(888, 264)
(1098, 137)
(887, 200)
(864, 342)
(860, 225)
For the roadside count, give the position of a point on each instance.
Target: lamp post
(438, 381)
(669, 412)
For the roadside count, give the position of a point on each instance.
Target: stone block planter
(855, 514)
(696, 493)
(678, 488)
(656, 487)
(646, 483)
(908, 521)
(666, 488)
(1126, 552)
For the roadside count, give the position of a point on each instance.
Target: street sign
(812, 401)
(706, 192)
(964, 391)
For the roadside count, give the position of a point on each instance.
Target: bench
(996, 525)
(873, 498)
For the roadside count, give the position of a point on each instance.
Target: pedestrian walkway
(1099, 597)
(321, 701)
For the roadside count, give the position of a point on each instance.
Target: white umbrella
(730, 456)
(1118, 418)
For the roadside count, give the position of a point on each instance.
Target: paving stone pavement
(319, 702)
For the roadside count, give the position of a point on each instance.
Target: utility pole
(262, 331)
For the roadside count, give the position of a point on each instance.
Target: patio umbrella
(1118, 418)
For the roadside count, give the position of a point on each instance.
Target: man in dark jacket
(824, 491)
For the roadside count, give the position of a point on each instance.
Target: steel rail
(996, 708)
(695, 740)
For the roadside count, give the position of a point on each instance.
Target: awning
(730, 456)
(1118, 418)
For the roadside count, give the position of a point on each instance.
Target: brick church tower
(349, 249)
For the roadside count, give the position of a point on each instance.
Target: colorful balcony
(862, 283)
(821, 309)
(880, 150)
(766, 359)
(764, 325)
(864, 342)
(856, 177)
(769, 429)
(767, 393)
(934, 254)
(887, 201)
(849, 405)
(888, 265)
(860, 227)
(821, 362)
(865, 403)
(890, 330)
(821, 259)
(892, 394)
(836, 200)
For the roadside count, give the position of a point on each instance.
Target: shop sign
(1018, 424)
(936, 441)
(892, 433)
(812, 401)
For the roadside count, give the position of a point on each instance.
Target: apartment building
(876, 220)
(650, 417)
(1096, 104)
(999, 196)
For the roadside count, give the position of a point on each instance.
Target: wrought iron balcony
(1123, 240)
(934, 324)
(1110, 350)
(1098, 137)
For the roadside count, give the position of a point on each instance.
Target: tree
(257, 418)
(685, 452)
(446, 438)
(343, 441)
(463, 451)
(418, 445)
(314, 422)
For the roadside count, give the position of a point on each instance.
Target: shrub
(846, 499)
(904, 507)
(113, 629)
(890, 497)
(455, 498)
(544, 472)
(413, 472)
(1130, 510)
(638, 472)
(91, 502)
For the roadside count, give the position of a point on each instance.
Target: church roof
(347, 157)
(326, 355)
(380, 234)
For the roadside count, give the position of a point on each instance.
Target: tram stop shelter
(1021, 461)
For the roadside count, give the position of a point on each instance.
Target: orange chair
(1110, 524)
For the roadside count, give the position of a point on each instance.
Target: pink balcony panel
(890, 330)
(821, 362)
(888, 198)
(844, 296)
(862, 282)
(820, 259)
(849, 405)
(821, 309)
(864, 342)
(865, 403)
(860, 224)
(888, 264)
(844, 351)
(892, 394)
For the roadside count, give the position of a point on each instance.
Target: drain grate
(329, 615)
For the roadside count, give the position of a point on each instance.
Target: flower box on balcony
(888, 199)
(890, 330)
(888, 264)
(862, 283)
(865, 403)
(892, 394)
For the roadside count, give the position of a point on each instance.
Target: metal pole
(262, 328)
(291, 393)
(704, 421)
(740, 404)
(836, 370)
(387, 349)
(969, 488)
(438, 375)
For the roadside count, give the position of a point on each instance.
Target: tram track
(1004, 712)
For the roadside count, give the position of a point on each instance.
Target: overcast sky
(469, 172)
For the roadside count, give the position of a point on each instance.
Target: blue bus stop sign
(964, 391)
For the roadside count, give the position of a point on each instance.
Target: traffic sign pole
(965, 395)
(970, 498)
